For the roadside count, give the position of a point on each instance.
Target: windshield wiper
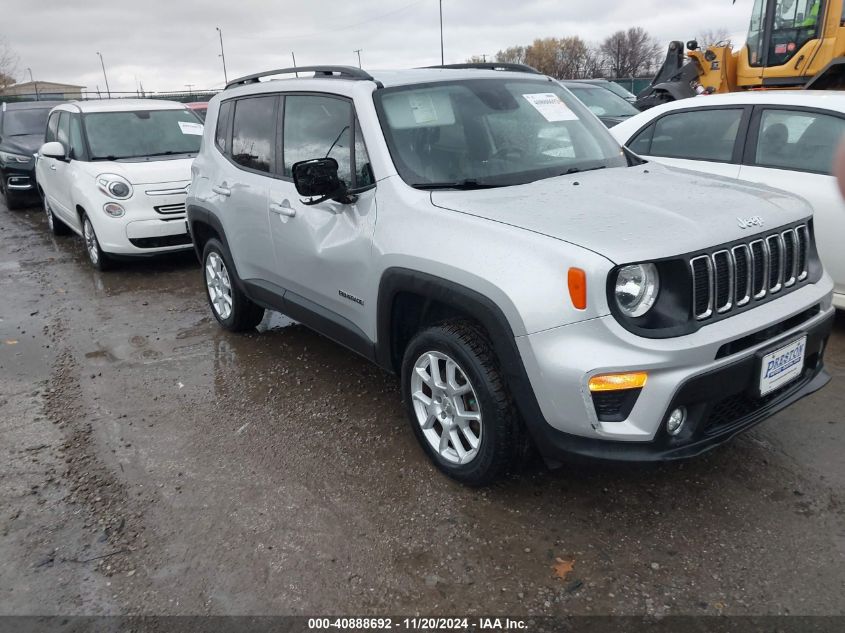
(579, 170)
(110, 157)
(461, 185)
(167, 153)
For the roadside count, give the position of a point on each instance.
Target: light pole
(293, 57)
(103, 64)
(34, 83)
(189, 87)
(442, 62)
(358, 50)
(222, 55)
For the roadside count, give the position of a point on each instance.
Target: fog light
(114, 210)
(676, 421)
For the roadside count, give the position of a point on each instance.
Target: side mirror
(53, 149)
(317, 178)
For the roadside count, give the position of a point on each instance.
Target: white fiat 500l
(116, 172)
(778, 138)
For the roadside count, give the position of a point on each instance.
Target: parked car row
(480, 234)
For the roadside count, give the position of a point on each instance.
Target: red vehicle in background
(199, 108)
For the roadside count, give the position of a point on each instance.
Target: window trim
(739, 142)
(231, 134)
(749, 158)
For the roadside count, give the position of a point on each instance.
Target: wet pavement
(154, 464)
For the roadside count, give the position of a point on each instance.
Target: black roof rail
(340, 72)
(515, 68)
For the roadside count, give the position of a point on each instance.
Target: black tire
(503, 440)
(98, 258)
(245, 314)
(56, 226)
(13, 202)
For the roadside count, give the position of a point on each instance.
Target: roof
(827, 99)
(30, 105)
(124, 105)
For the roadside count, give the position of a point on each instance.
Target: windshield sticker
(550, 106)
(423, 108)
(194, 129)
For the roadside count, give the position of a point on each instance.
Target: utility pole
(442, 62)
(293, 57)
(103, 64)
(222, 55)
(358, 50)
(34, 83)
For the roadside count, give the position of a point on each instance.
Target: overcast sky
(166, 44)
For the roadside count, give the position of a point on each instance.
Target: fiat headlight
(637, 288)
(114, 186)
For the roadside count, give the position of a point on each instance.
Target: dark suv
(22, 129)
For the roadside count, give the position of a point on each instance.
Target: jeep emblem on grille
(747, 223)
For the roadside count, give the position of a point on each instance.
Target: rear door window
(798, 141)
(254, 133)
(696, 135)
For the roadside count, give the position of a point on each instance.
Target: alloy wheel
(219, 285)
(91, 242)
(446, 408)
(49, 212)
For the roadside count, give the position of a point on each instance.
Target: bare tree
(630, 53)
(710, 37)
(512, 55)
(8, 64)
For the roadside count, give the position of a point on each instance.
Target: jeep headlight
(637, 287)
(9, 157)
(114, 186)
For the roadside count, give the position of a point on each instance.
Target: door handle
(283, 208)
(221, 190)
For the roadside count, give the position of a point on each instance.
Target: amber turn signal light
(578, 288)
(618, 382)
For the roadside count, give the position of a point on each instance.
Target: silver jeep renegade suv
(478, 232)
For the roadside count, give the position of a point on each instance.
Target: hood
(24, 144)
(145, 172)
(633, 214)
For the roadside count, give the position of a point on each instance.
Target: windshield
(491, 133)
(114, 135)
(602, 102)
(618, 90)
(794, 23)
(23, 122)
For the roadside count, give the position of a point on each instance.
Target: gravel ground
(153, 464)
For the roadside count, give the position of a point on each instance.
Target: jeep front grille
(731, 278)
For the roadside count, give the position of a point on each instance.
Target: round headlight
(114, 186)
(119, 189)
(637, 287)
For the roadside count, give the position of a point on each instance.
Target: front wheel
(230, 306)
(459, 406)
(96, 256)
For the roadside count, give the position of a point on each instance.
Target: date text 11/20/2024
(418, 624)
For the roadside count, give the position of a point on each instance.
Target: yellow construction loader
(790, 44)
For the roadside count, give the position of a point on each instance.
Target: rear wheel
(458, 404)
(56, 226)
(230, 306)
(98, 259)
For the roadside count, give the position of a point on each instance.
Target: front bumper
(710, 372)
(721, 404)
(154, 222)
(19, 180)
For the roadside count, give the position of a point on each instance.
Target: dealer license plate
(782, 366)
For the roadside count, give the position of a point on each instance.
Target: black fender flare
(476, 306)
(199, 215)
